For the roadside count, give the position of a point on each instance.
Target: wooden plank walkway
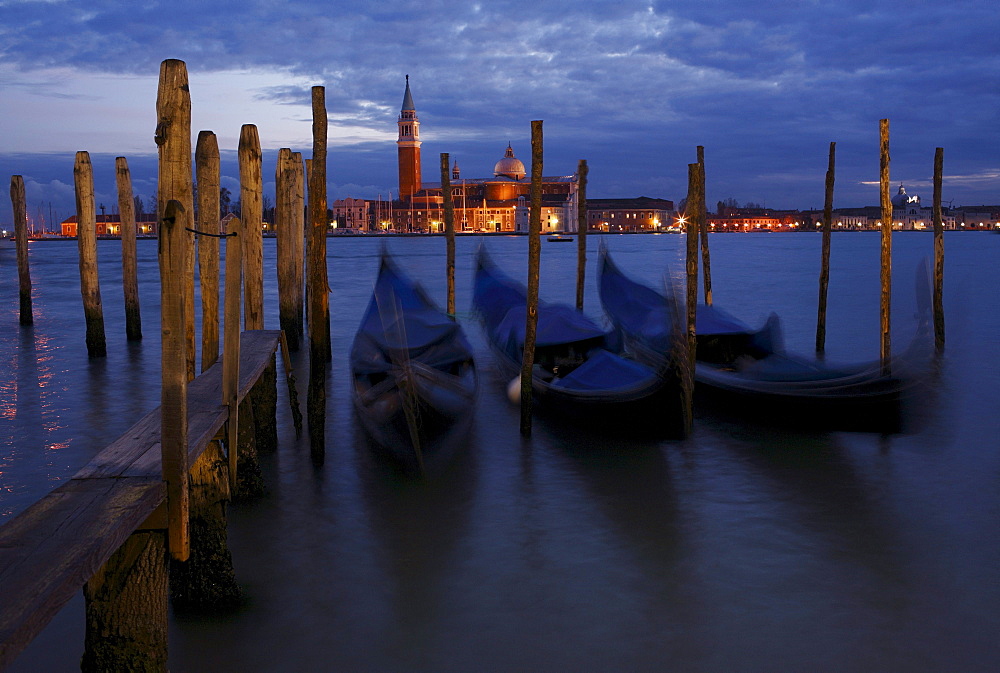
(49, 551)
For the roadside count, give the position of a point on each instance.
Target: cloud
(631, 86)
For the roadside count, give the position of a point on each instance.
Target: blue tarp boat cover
(401, 322)
(502, 305)
(604, 370)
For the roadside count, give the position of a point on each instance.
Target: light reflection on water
(745, 547)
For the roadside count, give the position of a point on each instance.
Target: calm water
(742, 548)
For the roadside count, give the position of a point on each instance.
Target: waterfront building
(351, 214)
(110, 225)
(978, 217)
(639, 214)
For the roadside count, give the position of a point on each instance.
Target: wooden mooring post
(20, 208)
(694, 215)
(938, 295)
(706, 266)
(885, 345)
(449, 231)
(251, 205)
(317, 284)
(534, 267)
(264, 395)
(581, 232)
(130, 266)
(290, 241)
(175, 182)
(173, 399)
(824, 273)
(208, 175)
(86, 237)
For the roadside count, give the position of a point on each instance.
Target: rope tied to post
(205, 233)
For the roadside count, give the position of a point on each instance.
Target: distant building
(978, 217)
(351, 214)
(640, 214)
(110, 225)
(736, 219)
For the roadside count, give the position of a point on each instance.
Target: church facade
(491, 204)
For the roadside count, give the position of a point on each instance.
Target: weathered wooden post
(289, 244)
(173, 243)
(938, 253)
(208, 171)
(264, 394)
(126, 608)
(885, 350)
(581, 232)
(703, 228)
(824, 273)
(175, 183)
(449, 230)
(251, 204)
(318, 286)
(20, 207)
(534, 266)
(245, 479)
(86, 236)
(694, 215)
(130, 273)
(231, 340)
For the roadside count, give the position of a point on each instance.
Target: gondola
(748, 370)
(579, 373)
(412, 369)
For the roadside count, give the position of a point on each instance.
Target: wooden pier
(55, 547)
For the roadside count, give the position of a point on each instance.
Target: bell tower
(408, 147)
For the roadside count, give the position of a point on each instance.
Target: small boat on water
(578, 371)
(7, 243)
(749, 369)
(559, 238)
(413, 374)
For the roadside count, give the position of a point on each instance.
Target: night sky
(632, 87)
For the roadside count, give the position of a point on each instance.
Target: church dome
(509, 166)
(902, 199)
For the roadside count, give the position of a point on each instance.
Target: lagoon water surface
(746, 547)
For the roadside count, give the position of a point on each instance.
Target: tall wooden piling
(20, 207)
(824, 273)
(207, 172)
(231, 338)
(581, 232)
(706, 270)
(130, 266)
(938, 299)
(173, 245)
(885, 350)
(264, 393)
(694, 215)
(86, 236)
(289, 244)
(534, 267)
(175, 182)
(251, 205)
(319, 285)
(449, 230)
